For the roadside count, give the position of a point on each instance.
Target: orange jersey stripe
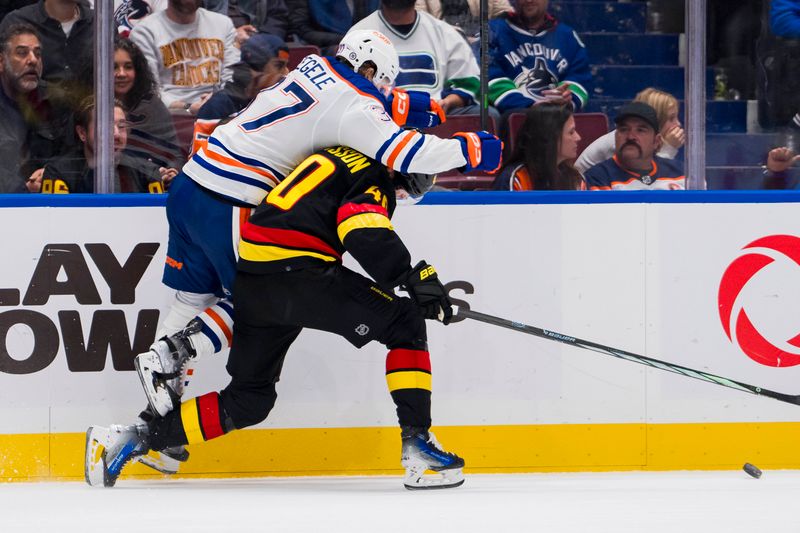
(221, 323)
(399, 148)
(234, 163)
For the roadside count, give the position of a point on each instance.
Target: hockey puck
(752, 470)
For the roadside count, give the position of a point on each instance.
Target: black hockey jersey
(338, 200)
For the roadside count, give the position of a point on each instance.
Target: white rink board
(641, 277)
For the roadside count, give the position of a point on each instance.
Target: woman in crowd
(152, 133)
(547, 145)
(672, 132)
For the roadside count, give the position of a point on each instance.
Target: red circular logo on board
(738, 325)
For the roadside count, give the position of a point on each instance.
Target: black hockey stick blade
(627, 356)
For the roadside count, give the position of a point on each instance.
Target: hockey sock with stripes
(408, 376)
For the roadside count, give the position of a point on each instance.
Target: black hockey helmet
(415, 184)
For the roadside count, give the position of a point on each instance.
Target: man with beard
(634, 166)
(434, 57)
(74, 171)
(535, 59)
(190, 50)
(31, 130)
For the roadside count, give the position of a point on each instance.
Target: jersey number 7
(303, 101)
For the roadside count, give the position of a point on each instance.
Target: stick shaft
(627, 356)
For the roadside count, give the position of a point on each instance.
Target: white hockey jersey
(188, 60)
(434, 57)
(321, 103)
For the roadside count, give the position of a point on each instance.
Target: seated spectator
(672, 133)
(74, 171)
(152, 134)
(546, 148)
(535, 59)
(463, 14)
(128, 13)
(265, 60)
(251, 17)
(434, 57)
(634, 165)
(190, 50)
(323, 23)
(66, 31)
(32, 129)
(778, 53)
(776, 171)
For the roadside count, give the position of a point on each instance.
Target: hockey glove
(425, 289)
(415, 109)
(482, 150)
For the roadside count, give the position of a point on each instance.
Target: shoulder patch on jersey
(380, 112)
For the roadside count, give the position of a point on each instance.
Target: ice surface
(642, 502)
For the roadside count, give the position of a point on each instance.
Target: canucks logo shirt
(523, 64)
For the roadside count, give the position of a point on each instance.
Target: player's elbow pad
(482, 150)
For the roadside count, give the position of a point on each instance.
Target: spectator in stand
(251, 17)
(464, 15)
(32, 129)
(672, 134)
(534, 59)
(66, 31)
(74, 172)
(634, 165)
(323, 23)
(265, 60)
(152, 134)
(190, 50)
(776, 171)
(543, 157)
(128, 13)
(784, 18)
(434, 56)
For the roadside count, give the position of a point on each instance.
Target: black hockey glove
(425, 289)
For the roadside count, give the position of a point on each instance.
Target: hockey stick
(622, 354)
(484, 66)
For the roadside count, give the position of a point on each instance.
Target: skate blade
(448, 479)
(162, 462)
(157, 396)
(97, 439)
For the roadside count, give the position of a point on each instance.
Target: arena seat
(454, 179)
(298, 52)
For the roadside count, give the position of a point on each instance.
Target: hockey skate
(109, 449)
(421, 452)
(161, 369)
(168, 460)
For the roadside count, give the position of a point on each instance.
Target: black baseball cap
(638, 110)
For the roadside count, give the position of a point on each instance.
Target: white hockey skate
(109, 449)
(161, 371)
(421, 452)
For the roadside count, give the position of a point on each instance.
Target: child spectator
(152, 135)
(74, 172)
(190, 50)
(534, 59)
(635, 165)
(543, 157)
(672, 134)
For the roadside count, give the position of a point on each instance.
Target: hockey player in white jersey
(324, 102)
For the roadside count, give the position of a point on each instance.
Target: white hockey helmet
(360, 46)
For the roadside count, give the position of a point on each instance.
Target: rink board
(646, 274)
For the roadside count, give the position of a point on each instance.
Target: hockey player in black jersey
(290, 277)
